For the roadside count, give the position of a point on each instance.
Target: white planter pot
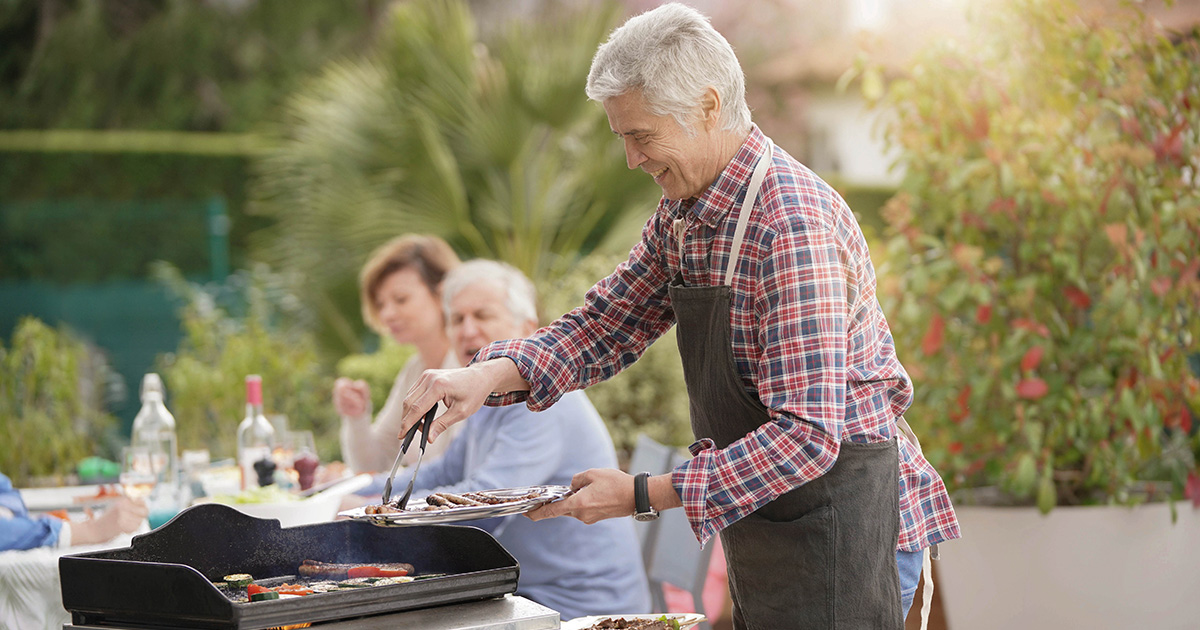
(1077, 567)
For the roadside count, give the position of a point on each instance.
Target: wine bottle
(256, 436)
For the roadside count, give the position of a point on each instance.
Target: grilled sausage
(438, 500)
(381, 509)
(458, 499)
(335, 571)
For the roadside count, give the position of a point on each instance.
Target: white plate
(686, 620)
(545, 495)
(63, 497)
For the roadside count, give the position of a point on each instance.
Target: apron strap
(756, 180)
(679, 226)
(929, 552)
(927, 590)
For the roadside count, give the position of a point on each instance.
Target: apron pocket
(782, 573)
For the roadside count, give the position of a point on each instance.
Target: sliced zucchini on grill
(239, 580)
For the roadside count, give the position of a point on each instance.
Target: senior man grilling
(574, 568)
(804, 463)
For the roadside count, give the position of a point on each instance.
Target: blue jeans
(909, 565)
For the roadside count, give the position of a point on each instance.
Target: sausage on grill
(336, 571)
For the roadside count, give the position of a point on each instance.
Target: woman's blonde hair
(431, 257)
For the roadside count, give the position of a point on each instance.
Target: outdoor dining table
(511, 612)
(30, 591)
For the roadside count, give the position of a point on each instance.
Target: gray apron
(822, 555)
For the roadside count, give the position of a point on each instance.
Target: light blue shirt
(574, 568)
(17, 529)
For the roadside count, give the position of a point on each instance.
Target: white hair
(520, 296)
(672, 54)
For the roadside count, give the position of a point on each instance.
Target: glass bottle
(154, 430)
(256, 436)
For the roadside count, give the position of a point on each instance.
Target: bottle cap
(254, 389)
(151, 383)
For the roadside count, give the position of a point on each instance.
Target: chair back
(654, 458)
(676, 558)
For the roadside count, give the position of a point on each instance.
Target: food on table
(620, 623)
(103, 492)
(261, 494)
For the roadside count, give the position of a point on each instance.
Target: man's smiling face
(683, 165)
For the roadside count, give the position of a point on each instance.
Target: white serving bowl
(319, 508)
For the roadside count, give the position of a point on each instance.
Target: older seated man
(574, 568)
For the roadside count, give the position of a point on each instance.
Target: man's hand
(462, 390)
(351, 399)
(602, 493)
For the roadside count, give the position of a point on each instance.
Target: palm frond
(490, 144)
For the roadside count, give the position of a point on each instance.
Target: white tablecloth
(30, 590)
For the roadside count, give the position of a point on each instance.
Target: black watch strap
(641, 498)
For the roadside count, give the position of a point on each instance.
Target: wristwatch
(641, 499)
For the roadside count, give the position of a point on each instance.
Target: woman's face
(408, 310)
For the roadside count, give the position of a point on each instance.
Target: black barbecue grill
(164, 579)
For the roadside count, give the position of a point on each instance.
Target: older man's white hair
(520, 296)
(672, 54)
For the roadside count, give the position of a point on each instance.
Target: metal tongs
(423, 426)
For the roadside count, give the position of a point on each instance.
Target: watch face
(645, 516)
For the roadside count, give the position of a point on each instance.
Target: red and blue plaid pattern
(809, 338)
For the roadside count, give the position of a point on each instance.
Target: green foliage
(650, 396)
(378, 369)
(46, 240)
(866, 201)
(490, 144)
(259, 332)
(177, 65)
(1047, 244)
(55, 203)
(50, 407)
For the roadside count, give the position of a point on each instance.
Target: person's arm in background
(22, 532)
(19, 530)
(368, 446)
(121, 516)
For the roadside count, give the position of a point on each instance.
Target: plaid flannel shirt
(809, 338)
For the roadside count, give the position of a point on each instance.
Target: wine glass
(137, 472)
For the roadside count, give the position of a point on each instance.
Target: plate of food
(448, 507)
(655, 621)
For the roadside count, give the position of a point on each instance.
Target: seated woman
(398, 287)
